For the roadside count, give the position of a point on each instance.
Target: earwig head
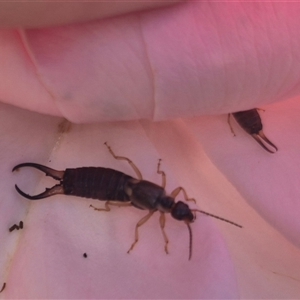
(182, 212)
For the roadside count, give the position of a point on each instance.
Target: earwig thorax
(182, 212)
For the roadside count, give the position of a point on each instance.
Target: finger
(44, 14)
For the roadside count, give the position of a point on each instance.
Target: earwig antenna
(191, 239)
(217, 217)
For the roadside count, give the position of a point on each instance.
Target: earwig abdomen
(249, 120)
(96, 183)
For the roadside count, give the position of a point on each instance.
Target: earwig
(117, 188)
(250, 121)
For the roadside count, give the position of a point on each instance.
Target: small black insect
(15, 226)
(250, 121)
(21, 225)
(3, 287)
(117, 188)
(84, 255)
(12, 228)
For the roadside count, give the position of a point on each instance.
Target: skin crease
(45, 14)
(236, 56)
(227, 52)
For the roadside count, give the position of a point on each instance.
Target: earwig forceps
(261, 139)
(58, 175)
(117, 188)
(250, 121)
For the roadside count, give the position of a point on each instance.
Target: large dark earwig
(117, 188)
(250, 121)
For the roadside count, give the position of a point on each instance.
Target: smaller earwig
(250, 121)
(117, 188)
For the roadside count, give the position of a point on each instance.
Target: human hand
(186, 60)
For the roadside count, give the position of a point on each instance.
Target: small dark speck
(3, 287)
(85, 255)
(12, 228)
(64, 126)
(21, 225)
(15, 226)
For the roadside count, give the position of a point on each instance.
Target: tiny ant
(120, 189)
(250, 121)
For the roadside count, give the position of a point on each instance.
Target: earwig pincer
(119, 189)
(250, 121)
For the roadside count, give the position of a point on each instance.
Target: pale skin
(213, 60)
(46, 14)
(154, 76)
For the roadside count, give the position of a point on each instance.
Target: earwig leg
(162, 222)
(108, 203)
(228, 121)
(134, 167)
(139, 224)
(107, 208)
(178, 190)
(162, 173)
